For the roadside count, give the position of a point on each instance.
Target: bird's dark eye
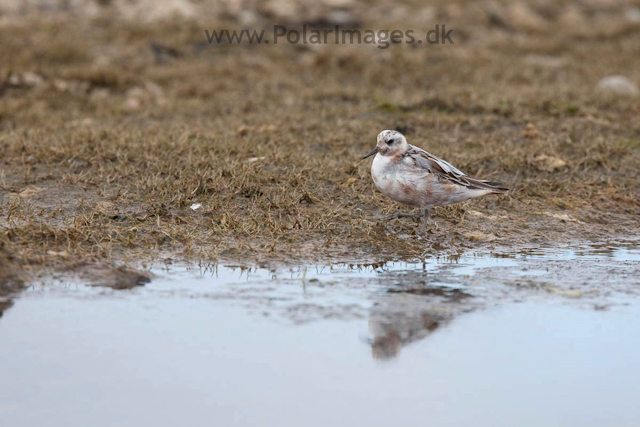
(389, 142)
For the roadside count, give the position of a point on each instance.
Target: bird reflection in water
(406, 315)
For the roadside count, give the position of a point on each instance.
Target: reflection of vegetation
(10, 281)
(5, 304)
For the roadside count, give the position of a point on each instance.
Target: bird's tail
(494, 187)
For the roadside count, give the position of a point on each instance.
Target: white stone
(619, 85)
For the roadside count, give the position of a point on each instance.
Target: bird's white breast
(390, 180)
(378, 166)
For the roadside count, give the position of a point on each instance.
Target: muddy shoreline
(109, 155)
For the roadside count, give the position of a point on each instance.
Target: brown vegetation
(104, 146)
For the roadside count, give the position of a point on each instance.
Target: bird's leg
(425, 219)
(401, 215)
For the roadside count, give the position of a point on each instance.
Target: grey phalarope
(410, 175)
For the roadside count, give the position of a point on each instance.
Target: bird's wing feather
(431, 162)
(445, 171)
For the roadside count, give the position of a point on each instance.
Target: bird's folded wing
(447, 172)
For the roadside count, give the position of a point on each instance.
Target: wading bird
(411, 176)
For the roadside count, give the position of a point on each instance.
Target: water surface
(533, 338)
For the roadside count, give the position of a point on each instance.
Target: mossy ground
(104, 148)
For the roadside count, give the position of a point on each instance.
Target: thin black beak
(371, 153)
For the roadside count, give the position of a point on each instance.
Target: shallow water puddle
(528, 339)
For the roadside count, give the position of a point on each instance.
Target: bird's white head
(390, 143)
